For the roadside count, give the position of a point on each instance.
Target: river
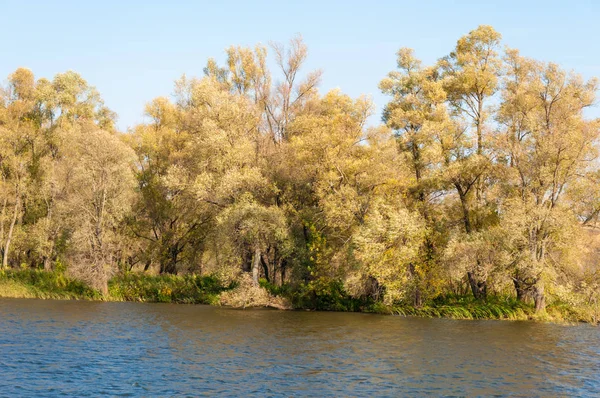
(76, 348)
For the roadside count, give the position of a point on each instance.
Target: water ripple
(68, 348)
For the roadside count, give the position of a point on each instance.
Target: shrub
(50, 285)
(190, 289)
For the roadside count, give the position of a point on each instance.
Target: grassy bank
(195, 289)
(332, 297)
(188, 289)
(44, 285)
(467, 308)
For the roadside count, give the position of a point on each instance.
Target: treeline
(482, 179)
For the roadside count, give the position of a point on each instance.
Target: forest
(479, 181)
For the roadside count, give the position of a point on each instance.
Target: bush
(466, 307)
(247, 294)
(322, 294)
(189, 289)
(50, 285)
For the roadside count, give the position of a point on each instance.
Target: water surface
(71, 348)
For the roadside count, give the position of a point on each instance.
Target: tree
(262, 229)
(471, 73)
(247, 74)
(388, 244)
(418, 115)
(35, 114)
(483, 178)
(334, 171)
(548, 145)
(166, 217)
(100, 184)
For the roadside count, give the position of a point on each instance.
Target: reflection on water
(74, 348)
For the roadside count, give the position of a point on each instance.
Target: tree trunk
(169, 265)
(51, 237)
(255, 265)
(2, 214)
(10, 231)
(523, 287)
(265, 267)
(48, 258)
(99, 228)
(101, 271)
(465, 211)
(282, 272)
(272, 265)
(520, 289)
(417, 297)
(373, 288)
(47, 264)
(478, 124)
(539, 298)
(247, 260)
(479, 288)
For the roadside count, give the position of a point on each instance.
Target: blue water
(70, 348)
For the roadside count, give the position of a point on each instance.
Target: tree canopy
(481, 178)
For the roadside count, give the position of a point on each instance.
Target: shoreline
(272, 308)
(193, 289)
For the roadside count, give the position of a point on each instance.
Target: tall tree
(418, 115)
(99, 194)
(549, 145)
(471, 73)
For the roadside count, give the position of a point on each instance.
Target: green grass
(564, 312)
(320, 295)
(497, 307)
(465, 307)
(30, 283)
(329, 295)
(186, 289)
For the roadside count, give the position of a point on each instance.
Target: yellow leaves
(162, 112)
(476, 53)
(407, 61)
(249, 222)
(237, 181)
(66, 100)
(484, 36)
(204, 185)
(471, 72)
(332, 144)
(176, 178)
(340, 206)
(417, 113)
(246, 67)
(547, 138)
(342, 109)
(75, 97)
(22, 84)
(388, 241)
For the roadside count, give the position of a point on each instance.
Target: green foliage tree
(483, 178)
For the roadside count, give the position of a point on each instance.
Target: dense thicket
(482, 179)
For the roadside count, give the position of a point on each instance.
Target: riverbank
(195, 289)
(188, 289)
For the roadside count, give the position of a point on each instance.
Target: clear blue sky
(132, 51)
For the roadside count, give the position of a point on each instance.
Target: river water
(75, 348)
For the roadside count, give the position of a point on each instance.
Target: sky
(133, 51)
